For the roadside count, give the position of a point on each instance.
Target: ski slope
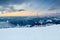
(34, 33)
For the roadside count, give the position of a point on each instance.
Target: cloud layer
(31, 5)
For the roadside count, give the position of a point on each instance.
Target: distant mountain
(54, 14)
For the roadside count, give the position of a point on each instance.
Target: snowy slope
(34, 33)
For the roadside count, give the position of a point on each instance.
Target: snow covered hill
(28, 21)
(35, 33)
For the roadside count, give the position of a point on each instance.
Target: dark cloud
(22, 10)
(6, 2)
(38, 4)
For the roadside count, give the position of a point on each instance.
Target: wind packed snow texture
(34, 33)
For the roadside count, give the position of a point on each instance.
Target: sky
(30, 5)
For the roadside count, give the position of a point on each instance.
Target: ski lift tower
(37, 14)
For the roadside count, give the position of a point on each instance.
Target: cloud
(31, 5)
(11, 5)
(55, 6)
(41, 5)
(6, 2)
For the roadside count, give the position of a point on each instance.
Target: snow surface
(34, 33)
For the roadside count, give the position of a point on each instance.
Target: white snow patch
(34, 33)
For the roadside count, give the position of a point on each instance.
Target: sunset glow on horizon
(29, 7)
(27, 13)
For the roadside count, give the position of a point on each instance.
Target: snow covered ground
(35, 33)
